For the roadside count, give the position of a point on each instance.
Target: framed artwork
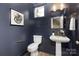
(17, 18)
(39, 12)
(57, 22)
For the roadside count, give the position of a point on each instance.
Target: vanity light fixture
(57, 6)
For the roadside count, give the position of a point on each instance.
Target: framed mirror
(57, 22)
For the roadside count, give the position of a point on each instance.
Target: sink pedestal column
(58, 49)
(59, 40)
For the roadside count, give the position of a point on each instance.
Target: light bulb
(54, 8)
(62, 6)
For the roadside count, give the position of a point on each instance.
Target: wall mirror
(57, 22)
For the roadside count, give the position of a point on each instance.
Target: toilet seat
(33, 47)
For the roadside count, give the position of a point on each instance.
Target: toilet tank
(37, 39)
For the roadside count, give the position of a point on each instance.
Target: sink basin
(61, 39)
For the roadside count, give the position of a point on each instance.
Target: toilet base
(35, 53)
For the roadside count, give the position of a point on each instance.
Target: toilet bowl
(33, 47)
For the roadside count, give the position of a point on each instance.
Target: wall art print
(17, 18)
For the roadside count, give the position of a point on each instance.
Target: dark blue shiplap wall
(43, 28)
(9, 34)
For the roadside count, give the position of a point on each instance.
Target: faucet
(62, 32)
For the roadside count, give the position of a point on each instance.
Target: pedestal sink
(59, 40)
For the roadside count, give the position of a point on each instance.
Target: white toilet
(33, 47)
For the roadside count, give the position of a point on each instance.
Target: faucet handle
(62, 31)
(53, 33)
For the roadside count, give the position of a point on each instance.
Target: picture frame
(17, 18)
(57, 22)
(39, 12)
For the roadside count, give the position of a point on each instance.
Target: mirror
(57, 22)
